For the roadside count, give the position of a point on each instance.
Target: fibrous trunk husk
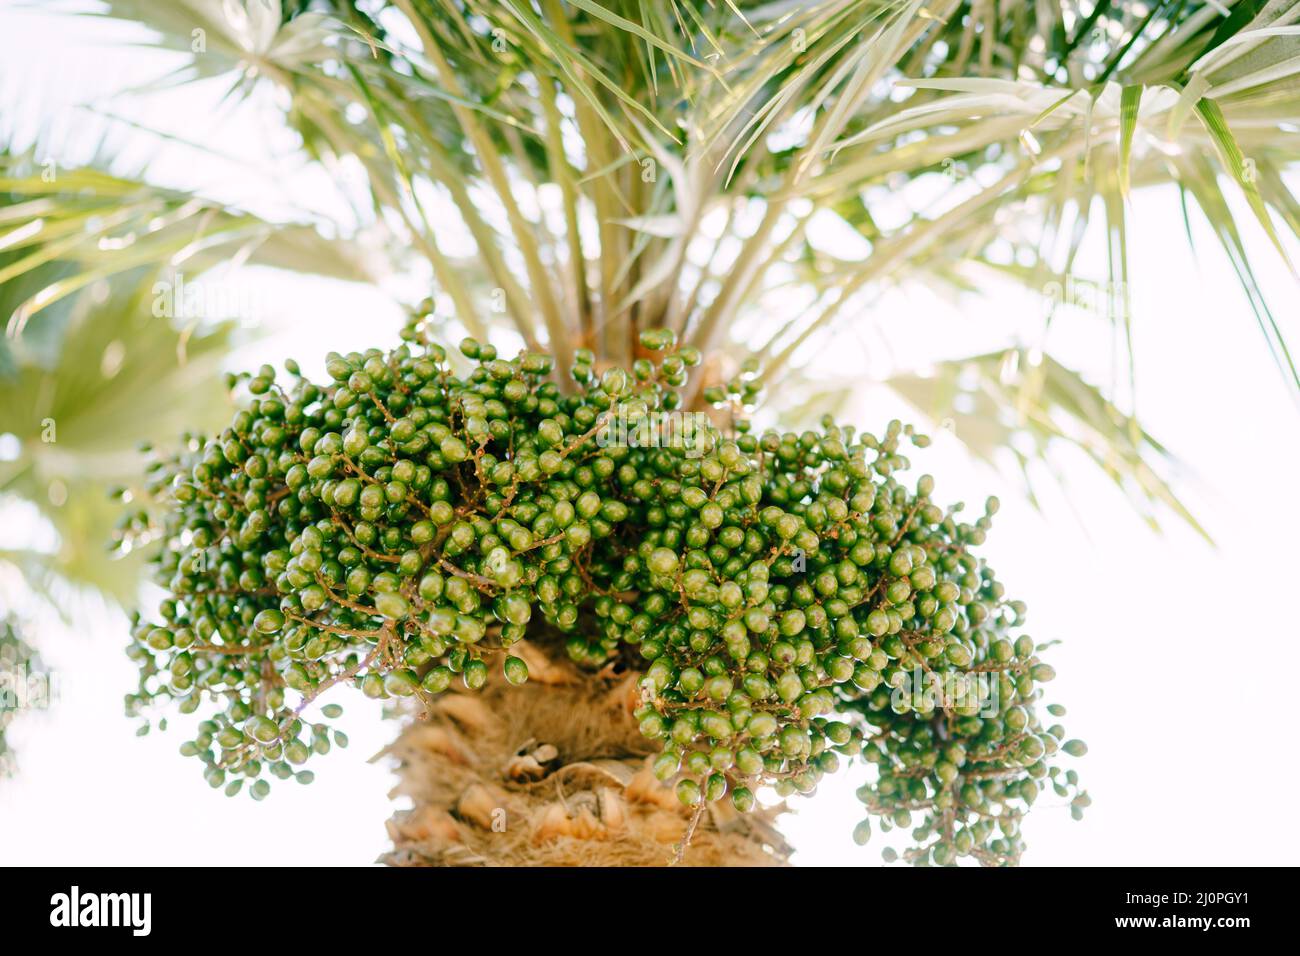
(554, 773)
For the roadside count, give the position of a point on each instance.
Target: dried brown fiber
(553, 773)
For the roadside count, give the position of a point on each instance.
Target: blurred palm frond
(98, 225)
(109, 377)
(1011, 406)
(90, 367)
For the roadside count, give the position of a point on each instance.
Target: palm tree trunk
(554, 773)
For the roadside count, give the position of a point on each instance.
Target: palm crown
(626, 165)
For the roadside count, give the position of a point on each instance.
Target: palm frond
(90, 367)
(1013, 406)
(622, 165)
(108, 376)
(99, 225)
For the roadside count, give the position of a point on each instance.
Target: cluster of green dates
(791, 604)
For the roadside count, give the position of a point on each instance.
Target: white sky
(1177, 657)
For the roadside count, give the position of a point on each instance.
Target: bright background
(1177, 657)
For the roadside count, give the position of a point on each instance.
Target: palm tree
(623, 165)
